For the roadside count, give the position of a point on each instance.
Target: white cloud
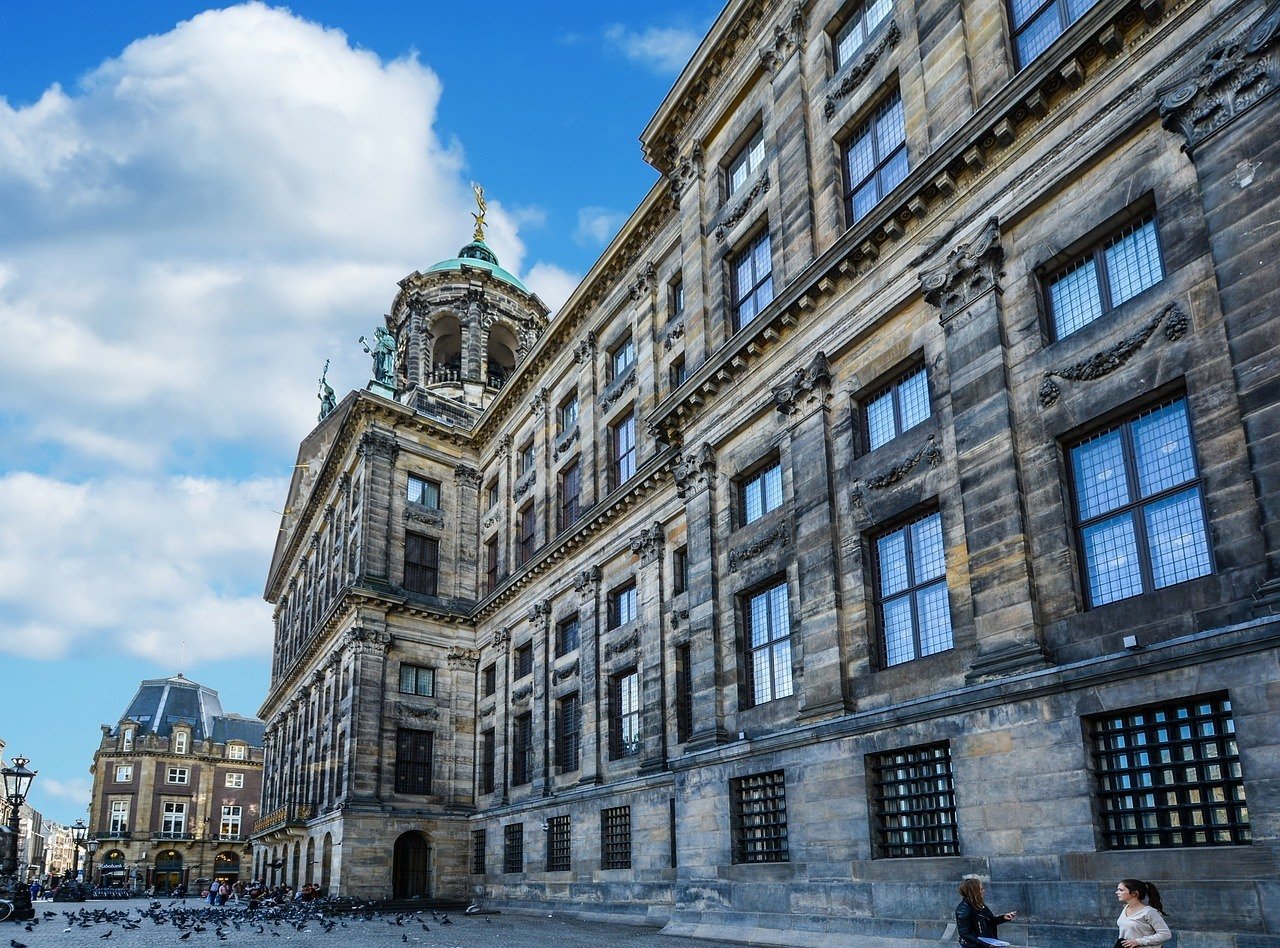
(77, 789)
(552, 284)
(597, 225)
(143, 566)
(663, 50)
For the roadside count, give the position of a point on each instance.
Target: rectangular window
(744, 164)
(914, 802)
(856, 30)
(622, 358)
(513, 847)
(568, 732)
(491, 565)
(1139, 509)
(119, 816)
(761, 493)
(173, 822)
(1169, 775)
(898, 407)
(675, 299)
(523, 661)
(1105, 277)
(875, 160)
(558, 844)
(911, 591)
(680, 570)
(524, 459)
(421, 564)
(416, 680)
(424, 492)
(622, 605)
(758, 814)
(490, 683)
(622, 443)
(684, 694)
(570, 494)
(1037, 23)
(124, 773)
(528, 544)
(413, 762)
(567, 635)
(491, 494)
(522, 750)
(615, 838)
(478, 846)
(178, 775)
(488, 757)
(237, 752)
(751, 272)
(235, 781)
(567, 414)
(677, 373)
(768, 633)
(624, 714)
(229, 825)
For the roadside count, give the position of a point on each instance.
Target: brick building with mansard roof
(894, 499)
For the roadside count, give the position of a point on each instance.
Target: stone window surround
(745, 129)
(864, 395)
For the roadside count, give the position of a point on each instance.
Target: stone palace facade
(897, 498)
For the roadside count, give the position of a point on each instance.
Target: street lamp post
(78, 833)
(91, 847)
(17, 784)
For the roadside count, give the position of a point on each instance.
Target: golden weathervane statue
(479, 193)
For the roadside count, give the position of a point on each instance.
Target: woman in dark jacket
(974, 921)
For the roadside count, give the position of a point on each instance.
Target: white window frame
(181, 742)
(124, 773)
(235, 781)
(178, 775)
(237, 752)
(119, 816)
(231, 822)
(174, 820)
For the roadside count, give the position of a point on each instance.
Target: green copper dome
(477, 254)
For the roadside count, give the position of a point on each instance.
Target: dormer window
(237, 752)
(181, 742)
(126, 739)
(745, 163)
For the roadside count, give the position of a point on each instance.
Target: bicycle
(6, 909)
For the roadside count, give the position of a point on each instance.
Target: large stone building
(897, 498)
(176, 787)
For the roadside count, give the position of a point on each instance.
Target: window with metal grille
(875, 160)
(1169, 775)
(513, 847)
(478, 845)
(1110, 274)
(491, 565)
(914, 802)
(760, 493)
(524, 660)
(751, 273)
(624, 714)
(567, 635)
(745, 162)
(413, 761)
(522, 750)
(622, 357)
(768, 639)
(1037, 23)
(528, 544)
(622, 605)
(423, 491)
(568, 732)
(489, 682)
(567, 414)
(897, 407)
(570, 494)
(857, 29)
(558, 835)
(421, 564)
(684, 693)
(488, 756)
(615, 838)
(416, 680)
(1140, 516)
(911, 591)
(758, 813)
(622, 442)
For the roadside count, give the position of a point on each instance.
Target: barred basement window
(1169, 775)
(413, 762)
(421, 564)
(615, 838)
(758, 813)
(558, 844)
(478, 846)
(914, 802)
(568, 732)
(513, 847)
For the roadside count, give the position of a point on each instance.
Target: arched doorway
(226, 866)
(311, 860)
(168, 874)
(326, 863)
(295, 879)
(410, 872)
(114, 873)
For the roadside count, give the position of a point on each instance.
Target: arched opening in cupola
(446, 349)
(500, 355)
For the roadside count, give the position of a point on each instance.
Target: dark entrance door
(409, 873)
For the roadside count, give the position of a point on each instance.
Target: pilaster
(587, 586)
(648, 544)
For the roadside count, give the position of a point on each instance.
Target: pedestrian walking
(1141, 921)
(975, 922)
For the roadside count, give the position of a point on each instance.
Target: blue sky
(198, 206)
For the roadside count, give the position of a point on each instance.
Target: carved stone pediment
(761, 187)
(862, 68)
(1236, 75)
(779, 536)
(695, 471)
(811, 383)
(972, 269)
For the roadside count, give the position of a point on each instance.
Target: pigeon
(108, 934)
(16, 944)
(184, 936)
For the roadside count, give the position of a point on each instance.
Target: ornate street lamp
(78, 833)
(91, 847)
(17, 784)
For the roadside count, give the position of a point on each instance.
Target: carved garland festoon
(972, 269)
(779, 536)
(929, 451)
(760, 188)
(862, 69)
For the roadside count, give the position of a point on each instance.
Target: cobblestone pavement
(512, 930)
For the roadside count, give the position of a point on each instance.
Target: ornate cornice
(1103, 363)
(862, 68)
(761, 187)
(695, 471)
(779, 536)
(1237, 74)
(972, 269)
(378, 444)
(808, 385)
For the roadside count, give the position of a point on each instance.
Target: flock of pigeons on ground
(188, 924)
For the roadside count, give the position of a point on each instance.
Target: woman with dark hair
(1140, 921)
(975, 923)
